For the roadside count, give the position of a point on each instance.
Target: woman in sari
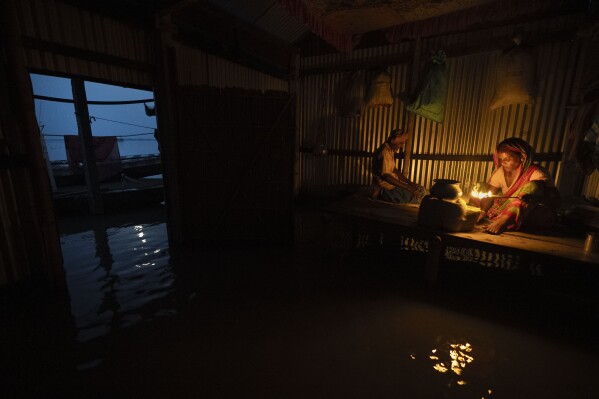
(526, 196)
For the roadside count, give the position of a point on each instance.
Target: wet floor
(315, 319)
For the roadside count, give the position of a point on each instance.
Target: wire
(121, 139)
(67, 100)
(122, 135)
(123, 123)
(39, 117)
(136, 134)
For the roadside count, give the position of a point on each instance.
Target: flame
(479, 194)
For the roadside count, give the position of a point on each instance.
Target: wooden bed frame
(560, 244)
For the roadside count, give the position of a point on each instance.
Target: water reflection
(129, 278)
(291, 329)
(455, 359)
(459, 356)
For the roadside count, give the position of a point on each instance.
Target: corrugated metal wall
(63, 39)
(10, 249)
(29, 242)
(197, 68)
(470, 127)
(591, 185)
(318, 123)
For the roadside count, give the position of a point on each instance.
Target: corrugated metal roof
(278, 22)
(266, 15)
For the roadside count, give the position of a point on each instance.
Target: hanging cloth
(431, 92)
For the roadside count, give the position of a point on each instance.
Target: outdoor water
(302, 321)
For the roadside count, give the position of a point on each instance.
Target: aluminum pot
(446, 189)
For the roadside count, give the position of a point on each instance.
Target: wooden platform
(129, 193)
(558, 243)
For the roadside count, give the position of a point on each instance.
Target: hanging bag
(379, 92)
(515, 77)
(431, 92)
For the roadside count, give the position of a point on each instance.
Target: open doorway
(116, 255)
(126, 153)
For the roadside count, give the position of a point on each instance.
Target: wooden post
(87, 148)
(405, 169)
(570, 180)
(166, 117)
(433, 258)
(293, 90)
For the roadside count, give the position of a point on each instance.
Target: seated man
(388, 183)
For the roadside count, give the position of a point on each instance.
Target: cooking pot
(446, 189)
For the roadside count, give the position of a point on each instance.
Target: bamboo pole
(87, 148)
(405, 170)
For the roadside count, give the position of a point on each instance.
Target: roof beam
(207, 28)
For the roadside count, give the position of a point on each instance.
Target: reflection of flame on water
(459, 357)
(451, 359)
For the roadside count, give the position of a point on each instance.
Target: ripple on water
(117, 276)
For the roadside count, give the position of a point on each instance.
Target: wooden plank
(84, 54)
(561, 244)
(544, 157)
(562, 247)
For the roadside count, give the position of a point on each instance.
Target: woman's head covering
(396, 132)
(518, 146)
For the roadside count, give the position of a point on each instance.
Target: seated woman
(536, 198)
(389, 184)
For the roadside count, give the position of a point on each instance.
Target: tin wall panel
(320, 126)
(591, 185)
(197, 68)
(19, 238)
(470, 126)
(62, 24)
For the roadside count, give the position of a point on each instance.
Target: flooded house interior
(267, 260)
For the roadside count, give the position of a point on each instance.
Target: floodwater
(309, 320)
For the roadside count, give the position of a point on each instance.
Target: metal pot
(446, 189)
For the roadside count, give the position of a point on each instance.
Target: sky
(130, 122)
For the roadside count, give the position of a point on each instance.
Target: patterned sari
(519, 211)
(515, 208)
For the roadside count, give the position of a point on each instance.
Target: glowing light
(140, 235)
(156, 251)
(144, 241)
(146, 264)
(479, 194)
(459, 358)
(412, 356)
(440, 367)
